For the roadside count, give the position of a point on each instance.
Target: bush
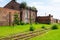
(31, 29)
(16, 19)
(54, 27)
(43, 27)
(22, 23)
(36, 23)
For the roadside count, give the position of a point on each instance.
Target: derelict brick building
(47, 19)
(7, 13)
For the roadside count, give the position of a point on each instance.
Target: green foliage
(16, 20)
(22, 23)
(33, 8)
(31, 29)
(36, 23)
(43, 27)
(54, 27)
(23, 5)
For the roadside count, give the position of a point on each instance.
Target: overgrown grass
(51, 35)
(10, 30)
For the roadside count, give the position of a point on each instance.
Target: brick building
(13, 7)
(47, 19)
(24, 15)
(56, 21)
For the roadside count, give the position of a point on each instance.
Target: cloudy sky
(44, 7)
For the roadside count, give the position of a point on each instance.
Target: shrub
(54, 27)
(43, 27)
(36, 23)
(31, 29)
(22, 23)
(16, 20)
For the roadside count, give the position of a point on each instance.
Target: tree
(33, 8)
(16, 20)
(23, 5)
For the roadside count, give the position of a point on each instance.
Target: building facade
(25, 14)
(7, 16)
(47, 19)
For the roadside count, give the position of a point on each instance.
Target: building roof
(12, 5)
(16, 6)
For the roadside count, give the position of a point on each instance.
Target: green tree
(33, 8)
(23, 5)
(16, 20)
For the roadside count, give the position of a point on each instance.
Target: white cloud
(56, 1)
(36, 3)
(1, 0)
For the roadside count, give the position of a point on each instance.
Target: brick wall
(7, 16)
(45, 19)
(26, 15)
(56, 21)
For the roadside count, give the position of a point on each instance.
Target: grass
(10, 30)
(51, 35)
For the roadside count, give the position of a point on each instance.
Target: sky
(44, 7)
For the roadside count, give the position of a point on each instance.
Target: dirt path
(26, 36)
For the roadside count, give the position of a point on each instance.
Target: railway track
(26, 36)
